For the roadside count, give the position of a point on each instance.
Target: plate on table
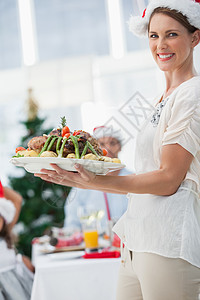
(52, 249)
(66, 255)
(35, 164)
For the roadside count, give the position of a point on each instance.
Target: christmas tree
(43, 205)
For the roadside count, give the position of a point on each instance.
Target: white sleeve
(183, 127)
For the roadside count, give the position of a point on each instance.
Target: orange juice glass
(90, 238)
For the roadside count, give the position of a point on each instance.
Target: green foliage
(43, 202)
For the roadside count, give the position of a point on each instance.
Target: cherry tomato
(67, 135)
(76, 132)
(65, 130)
(105, 152)
(19, 149)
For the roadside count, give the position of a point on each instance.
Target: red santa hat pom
(7, 210)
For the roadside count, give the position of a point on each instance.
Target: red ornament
(144, 12)
(198, 1)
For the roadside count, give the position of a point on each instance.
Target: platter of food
(65, 148)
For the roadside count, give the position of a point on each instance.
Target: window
(71, 27)
(132, 42)
(10, 51)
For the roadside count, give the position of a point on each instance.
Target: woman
(161, 229)
(16, 271)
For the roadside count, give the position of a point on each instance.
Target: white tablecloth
(60, 277)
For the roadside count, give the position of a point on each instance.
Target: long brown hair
(175, 15)
(6, 234)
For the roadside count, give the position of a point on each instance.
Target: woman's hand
(82, 179)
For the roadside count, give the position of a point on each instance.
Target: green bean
(51, 143)
(75, 142)
(62, 147)
(84, 149)
(46, 144)
(92, 149)
(58, 144)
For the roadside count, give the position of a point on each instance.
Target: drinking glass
(89, 222)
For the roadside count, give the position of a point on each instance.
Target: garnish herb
(63, 121)
(18, 155)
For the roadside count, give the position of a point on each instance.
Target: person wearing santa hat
(112, 205)
(110, 139)
(16, 271)
(161, 229)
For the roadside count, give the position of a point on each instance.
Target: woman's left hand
(81, 179)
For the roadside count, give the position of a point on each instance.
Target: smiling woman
(172, 49)
(161, 227)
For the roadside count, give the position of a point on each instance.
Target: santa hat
(107, 131)
(7, 210)
(189, 8)
(1, 190)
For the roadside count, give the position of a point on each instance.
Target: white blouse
(167, 225)
(7, 257)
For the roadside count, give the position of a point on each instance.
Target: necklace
(159, 107)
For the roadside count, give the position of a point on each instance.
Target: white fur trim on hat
(7, 210)
(189, 8)
(107, 131)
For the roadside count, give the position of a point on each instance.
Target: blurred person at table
(110, 206)
(16, 271)
(160, 230)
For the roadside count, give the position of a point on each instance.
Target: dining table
(70, 276)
